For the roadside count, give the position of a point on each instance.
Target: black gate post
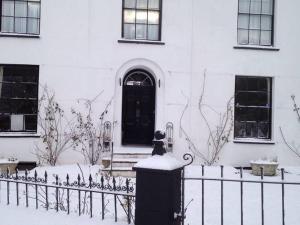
(158, 189)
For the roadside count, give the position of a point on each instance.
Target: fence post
(128, 202)
(7, 182)
(91, 195)
(282, 197)
(46, 190)
(56, 192)
(158, 192)
(262, 196)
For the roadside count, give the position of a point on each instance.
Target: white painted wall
(79, 55)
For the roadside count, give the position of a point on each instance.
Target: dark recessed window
(18, 98)
(142, 19)
(255, 22)
(20, 16)
(253, 107)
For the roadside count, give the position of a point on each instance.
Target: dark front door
(138, 113)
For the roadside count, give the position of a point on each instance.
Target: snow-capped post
(158, 187)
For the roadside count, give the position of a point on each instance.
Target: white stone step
(132, 150)
(132, 155)
(120, 171)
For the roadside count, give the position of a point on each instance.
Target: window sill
(19, 135)
(141, 42)
(253, 141)
(19, 35)
(256, 47)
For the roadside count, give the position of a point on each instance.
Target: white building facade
(150, 57)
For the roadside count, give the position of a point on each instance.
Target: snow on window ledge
(252, 141)
(136, 41)
(256, 47)
(19, 135)
(19, 35)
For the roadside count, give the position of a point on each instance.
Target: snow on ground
(252, 198)
(12, 215)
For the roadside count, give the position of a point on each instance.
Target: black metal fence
(108, 194)
(262, 182)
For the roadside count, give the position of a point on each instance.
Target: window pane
(241, 84)
(266, 38)
(20, 25)
(254, 22)
(129, 31)
(31, 122)
(34, 10)
(129, 16)
(252, 84)
(141, 16)
(153, 32)
(251, 129)
(266, 22)
(7, 24)
(153, 4)
(153, 17)
(8, 8)
(255, 6)
(21, 9)
(263, 84)
(33, 26)
(4, 122)
(30, 91)
(242, 37)
(21, 106)
(254, 37)
(267, 7)
(5, 106)
(244, 6)
(240, 129)
(263, 130)
(141, 4)
(243, 21)
(16, 122)
(129, 3)
(141, 31)
(6, 90)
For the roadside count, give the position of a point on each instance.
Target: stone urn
(269, 167)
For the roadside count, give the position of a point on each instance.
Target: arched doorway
(138, 108)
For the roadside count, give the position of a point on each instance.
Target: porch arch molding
(155, 70)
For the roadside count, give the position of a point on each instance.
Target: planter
(269, 168)
(106, 163)
(11, 165)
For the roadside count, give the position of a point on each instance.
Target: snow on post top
(160, 162)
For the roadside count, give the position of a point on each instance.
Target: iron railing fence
(42, 192)
(242, 182)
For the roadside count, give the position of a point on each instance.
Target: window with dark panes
(142, 19)
(18, 98)
(255, 22)
(253, 107)
(20, 16)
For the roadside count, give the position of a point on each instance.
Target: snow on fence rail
(60, 195)
(212, 199)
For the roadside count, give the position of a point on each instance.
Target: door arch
(138, 108)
